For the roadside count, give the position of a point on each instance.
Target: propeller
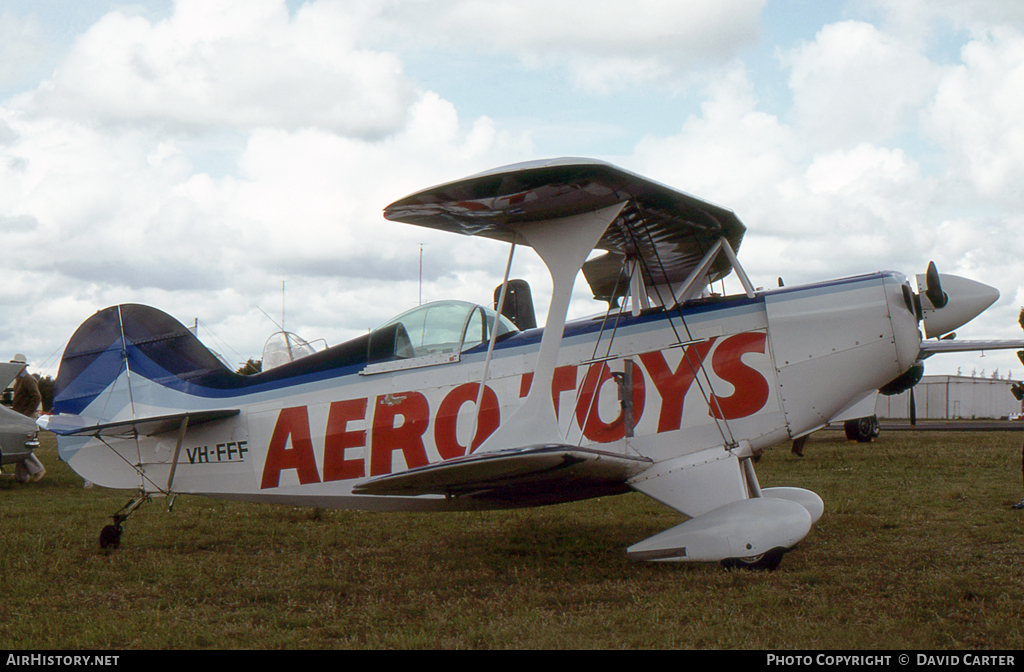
(952, 301)
(909, 380)
(906, 381)
(933, 287)
(912, 376)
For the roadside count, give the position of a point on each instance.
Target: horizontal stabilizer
(742, 530)
(529, 475)
(72, 425)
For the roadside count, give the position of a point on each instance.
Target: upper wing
(670, 230)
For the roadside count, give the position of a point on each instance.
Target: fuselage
(713, 372)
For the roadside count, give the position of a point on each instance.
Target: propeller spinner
(950, 301)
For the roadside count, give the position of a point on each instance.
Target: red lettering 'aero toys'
(672, 392)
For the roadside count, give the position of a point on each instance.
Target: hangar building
(952, 397)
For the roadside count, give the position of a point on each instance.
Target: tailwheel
(110, 535)
(768, 561)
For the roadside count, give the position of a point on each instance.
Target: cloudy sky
(195, 155)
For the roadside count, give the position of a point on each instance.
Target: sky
(227, 161)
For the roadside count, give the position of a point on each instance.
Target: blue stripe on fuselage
(227, 385)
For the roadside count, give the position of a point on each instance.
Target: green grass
(918, 549)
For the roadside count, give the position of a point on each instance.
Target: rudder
(147, 341)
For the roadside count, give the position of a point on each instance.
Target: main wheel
(768, 561)
(861, 430)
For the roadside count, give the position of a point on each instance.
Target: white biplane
(452, 406)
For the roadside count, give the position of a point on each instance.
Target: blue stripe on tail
(154, 344)
(160, 349)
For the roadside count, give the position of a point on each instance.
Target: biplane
(671, 391)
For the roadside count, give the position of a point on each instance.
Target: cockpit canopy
(283, 347)
(437, 328)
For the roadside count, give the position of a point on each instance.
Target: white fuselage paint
(767, 369)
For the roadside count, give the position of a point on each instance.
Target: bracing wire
(128, 380)
(221, 342)
(490, 345)
(720, 420)
(45, 367)
(137, 467)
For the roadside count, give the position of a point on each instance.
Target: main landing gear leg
(110, 536)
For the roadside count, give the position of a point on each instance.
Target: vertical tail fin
(128, 372)
(119, 341)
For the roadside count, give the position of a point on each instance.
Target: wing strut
(696, 281)
(490, 345)
(563, 244)
(740, 273)
(177, 452)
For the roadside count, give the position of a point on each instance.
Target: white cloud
(604, 44)
(919, 20)
(843, 170)
(239, 65)
(22, 44)
(856, 84)
(729, 148)
(810, 214)
(977, 113)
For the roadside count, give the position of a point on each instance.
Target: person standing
(1020, 505)
(1016, 391)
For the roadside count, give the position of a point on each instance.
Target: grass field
(918, 549)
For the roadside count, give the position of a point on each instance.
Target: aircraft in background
(672, 392)
(17, 432)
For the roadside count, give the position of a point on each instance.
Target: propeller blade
(913, 409)
(934, 287)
